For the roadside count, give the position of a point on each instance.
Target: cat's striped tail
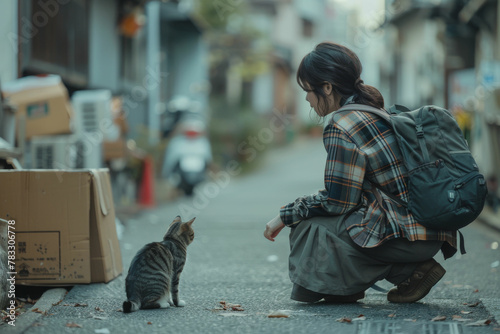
(130, 306)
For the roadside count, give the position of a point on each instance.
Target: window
(54, 38)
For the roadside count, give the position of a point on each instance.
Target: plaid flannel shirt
(361, 147)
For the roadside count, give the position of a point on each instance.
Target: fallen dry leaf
(477, 290)
(81, 305)
(473, 304)
(150, 323)
(228, 307)
(236, 308)
(411, 320)
(439, 318)
(278, 314)
(484, 322)
(59, 302)
(217, 309)
(465, 312)
(36, 310)
(392, 315)
(97, 308)
(72, 324)
(359, 318)
(347, 320)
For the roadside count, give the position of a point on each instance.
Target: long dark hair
(338, 65)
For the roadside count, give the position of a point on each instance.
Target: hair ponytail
(369, 95)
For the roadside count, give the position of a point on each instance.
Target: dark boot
(425, 276)
(301, 294)
(344, 299)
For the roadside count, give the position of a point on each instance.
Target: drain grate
(406, 327)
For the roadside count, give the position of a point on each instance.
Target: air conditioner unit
(89, 151)
(66, 152)
(54, 152)
(93, 113)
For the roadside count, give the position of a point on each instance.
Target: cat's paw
(181, 303)
(164, 304)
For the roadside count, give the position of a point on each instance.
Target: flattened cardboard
(46, 110)
(114, 149)
(58, 223)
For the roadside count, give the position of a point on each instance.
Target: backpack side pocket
(431, 195)
(471, 192)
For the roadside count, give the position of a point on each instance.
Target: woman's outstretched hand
(273, 228)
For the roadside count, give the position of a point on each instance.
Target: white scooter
(188, 152)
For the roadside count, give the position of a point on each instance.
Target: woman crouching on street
(341, 240)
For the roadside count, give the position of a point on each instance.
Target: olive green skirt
(324, 259)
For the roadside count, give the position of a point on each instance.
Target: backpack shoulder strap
(386, 116)
(363, 107)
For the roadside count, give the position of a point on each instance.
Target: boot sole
(428, 281)
(344, 299)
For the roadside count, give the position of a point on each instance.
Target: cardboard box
(43, 103)
(114, 149)
(64, 223)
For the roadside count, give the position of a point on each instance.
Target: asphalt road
(231, 261)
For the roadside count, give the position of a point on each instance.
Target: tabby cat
(153, 276)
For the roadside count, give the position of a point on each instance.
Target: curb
(492, 305)
(44, 304)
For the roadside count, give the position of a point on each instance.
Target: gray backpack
(445, 189)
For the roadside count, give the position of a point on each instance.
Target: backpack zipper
(459, 152)
(466, 179)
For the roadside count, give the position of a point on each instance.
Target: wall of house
(420, 76)
(186, 56)
(486, 134)
(104, 45)
(8, 39)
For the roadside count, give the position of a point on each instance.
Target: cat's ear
(191, 222)
(176, 220)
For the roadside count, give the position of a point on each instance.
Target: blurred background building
(237, 61)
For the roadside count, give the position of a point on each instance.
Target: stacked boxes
(42, 102)
(80, 134)
(63, 206)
